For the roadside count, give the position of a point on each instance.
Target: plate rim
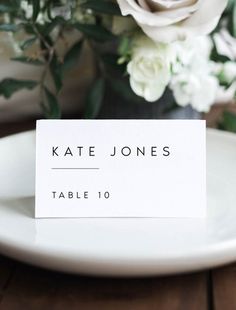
(223, 252)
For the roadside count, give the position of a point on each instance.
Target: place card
(120, 168)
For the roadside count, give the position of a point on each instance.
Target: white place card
(121, 168)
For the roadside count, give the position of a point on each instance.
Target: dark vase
(116, 107)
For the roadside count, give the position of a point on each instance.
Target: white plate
(131, 247)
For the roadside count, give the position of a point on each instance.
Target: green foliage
(36, 9)
(124, 49)
(124, 46)
(215, 56)
(45, 30)
(30, 28)
(95, 98)
(111, 64)
(72, 55)
(48, 27)
(56, 72)
(28, 43)
(229, 122)
(42, 31)
(229, 7)
(95, 32)
(230, 13)
(234, 20)
(29, 61)
(51, 106)
(103, 7)
(9, 6)
(123, 89)
(9, 86)
(8, 27)
(6, 8)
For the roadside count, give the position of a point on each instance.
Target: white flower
(27, 8)
(62, 11)
(199, 90)
(216, 67)
(229, 71)
(28, 11)
(226, 72)
(149, 69)
(170, 20)
(226, 95)
(193, 81)
(225, 44)
(194, 52)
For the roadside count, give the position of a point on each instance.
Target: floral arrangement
(141, 48)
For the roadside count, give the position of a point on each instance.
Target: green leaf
(124, 46)
(9, 6)
(9, 86)
(230, 6)
(72, 56)
(51, 109)
(28, 61)
(36, 9)
(94, 99)
(215, 56)
(27, 43)
(229, 121)
(28, 28)
(96, 32)
(9, 27)
(234, 20)
(48, 27)
(123, 89)
(103, 7)
(111, 63)
(6, 8)
(56, 72)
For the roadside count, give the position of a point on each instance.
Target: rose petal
(202, 22)
(144, 5)
(157, 19)
(198, 18)
(158, 5)
(210, 9)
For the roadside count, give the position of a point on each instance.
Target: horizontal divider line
(75, 168)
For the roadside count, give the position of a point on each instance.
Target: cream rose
(149, 68)
(170, 20)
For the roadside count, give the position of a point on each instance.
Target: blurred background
(20, 111)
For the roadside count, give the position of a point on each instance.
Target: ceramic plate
(123, 247)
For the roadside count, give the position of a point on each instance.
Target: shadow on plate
(22, 206)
